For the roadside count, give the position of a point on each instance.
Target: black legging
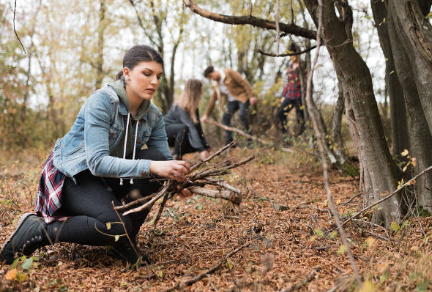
(178, 137)
(89, 205)
(286, 106)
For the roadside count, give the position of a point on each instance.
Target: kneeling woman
(100, 161)
(182, 123)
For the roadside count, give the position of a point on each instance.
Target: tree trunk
(398, 117)
(419, 134)
(338, 144)
(358, 90)
(416, 38)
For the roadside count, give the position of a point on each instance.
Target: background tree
(380, 174)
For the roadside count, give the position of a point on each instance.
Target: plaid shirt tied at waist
(49, 192)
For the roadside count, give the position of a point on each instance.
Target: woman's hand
(204, 154)
(173, 169)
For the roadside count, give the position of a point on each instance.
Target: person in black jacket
(182, 123)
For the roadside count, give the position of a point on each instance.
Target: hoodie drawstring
(125, 143)
(135, 142)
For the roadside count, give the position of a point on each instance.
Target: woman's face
(144, 79)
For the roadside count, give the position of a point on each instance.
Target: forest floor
(283, 229)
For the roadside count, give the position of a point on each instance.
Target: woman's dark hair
(138, 54)
(294, 48)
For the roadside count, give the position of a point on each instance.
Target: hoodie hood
(119, 88)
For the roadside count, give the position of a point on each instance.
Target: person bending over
(100, 161)
(230, 88)
(182, 123)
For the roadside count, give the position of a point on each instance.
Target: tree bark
(338, 144)
(374, 153)
(398, 118)
(419, 135)
(417, 41)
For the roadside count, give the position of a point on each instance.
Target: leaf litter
(283, 223)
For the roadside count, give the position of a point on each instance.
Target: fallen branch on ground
(181, 286)
(410, 182)
(240, 132)
(303, 282)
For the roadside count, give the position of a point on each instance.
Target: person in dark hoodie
(100, 162)
(182, 123)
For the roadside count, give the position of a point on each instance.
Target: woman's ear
(126, 72)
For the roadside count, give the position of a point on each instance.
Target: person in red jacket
(292, 96)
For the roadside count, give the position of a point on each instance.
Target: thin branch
(155, 196)
(286, 54)
(277, 27)
(321, 147)
(410, 182)
(127, 235)
(251, 20)
(303, 282)
(217, 194)
(162, 206)
(211, 156)
(181, 286)
(16, 34)
(350, 200)
(240, 132)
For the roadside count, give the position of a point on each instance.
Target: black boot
(29, 235)
(128, 253)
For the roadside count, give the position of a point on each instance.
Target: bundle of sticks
(200, 175)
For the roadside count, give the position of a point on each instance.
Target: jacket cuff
(144, 167)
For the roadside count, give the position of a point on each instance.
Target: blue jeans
(232, 107)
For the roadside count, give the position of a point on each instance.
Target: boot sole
(20, 221)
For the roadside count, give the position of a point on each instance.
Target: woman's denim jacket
(96, 132)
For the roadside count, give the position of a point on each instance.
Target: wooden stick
(211, 156)
(217, 194)
(181, 286)
(302, 282)
(162, 206)
(145, 199)
(148, 204)
(411, 181)
(222, 184)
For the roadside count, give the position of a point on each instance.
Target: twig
(411, 181)
(277, 27)
(303, 282)
(240, 132)
(16, 34)
(211, 156)
(181, 286)
(227, 195)
(127, 235)
(349, 201)
(377, 235)
(321, 147)
(223, 184)
(145, 199)
(286, 54)
(148, 204)
(162, 206)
